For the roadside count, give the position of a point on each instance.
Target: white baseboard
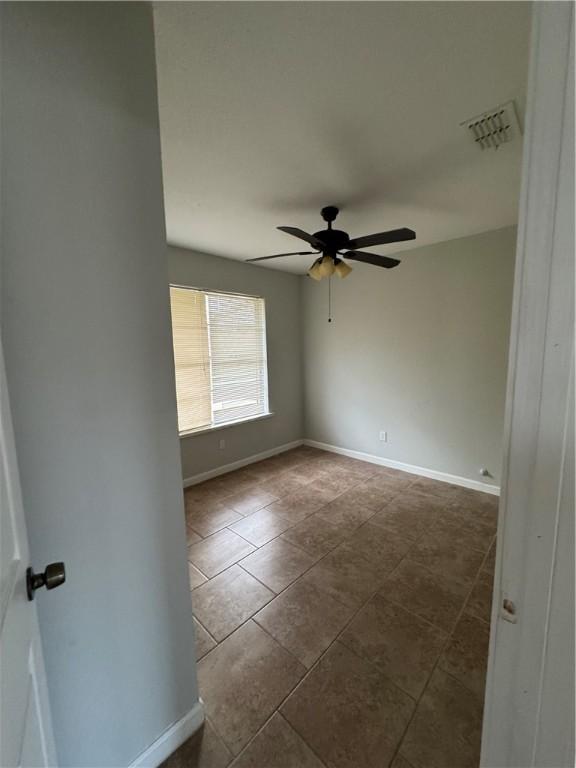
(475, 485)
(171, 739)
(195, 479)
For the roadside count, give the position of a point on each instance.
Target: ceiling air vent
(495, 127)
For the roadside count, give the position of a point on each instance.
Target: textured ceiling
(269, 111)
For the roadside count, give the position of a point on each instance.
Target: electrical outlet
(383, 437)
(221, 445)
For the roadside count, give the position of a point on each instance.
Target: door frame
(526, 723)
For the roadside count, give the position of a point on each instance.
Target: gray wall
(86, 329)
(281, 291)
(419, 351)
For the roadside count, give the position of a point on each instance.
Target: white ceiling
(269, 111)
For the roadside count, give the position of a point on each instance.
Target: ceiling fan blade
(303, 236)
(278, 255)
(372, 258)
(383, 238)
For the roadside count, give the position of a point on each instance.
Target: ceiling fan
(332, 243)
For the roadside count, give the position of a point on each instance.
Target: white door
(529, 707)
(25, 728)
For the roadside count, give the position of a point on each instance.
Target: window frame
(225, 425)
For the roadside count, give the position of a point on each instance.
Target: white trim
(529, 703)
(225, 425)
(475, 485)
(171, 739)
(200, 478)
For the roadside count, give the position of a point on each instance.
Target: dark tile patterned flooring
(342, 616)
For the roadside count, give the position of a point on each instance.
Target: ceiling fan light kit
(341, 269)
(330, 243)
(326, 267)
(314, 271)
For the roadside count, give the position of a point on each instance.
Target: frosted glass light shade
(326, 266)
(342, 269)
(314, 271)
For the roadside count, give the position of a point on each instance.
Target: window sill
(215, 428)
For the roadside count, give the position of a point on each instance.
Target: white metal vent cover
(497, 126)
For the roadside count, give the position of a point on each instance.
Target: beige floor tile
(439, 488)
(267, 469)
(429, 595)
(299, 456)
(335, 532)
(285, 484)
(392, 482)
(398, 474)
(191, 536)
(437, 552)
(359, 472)
(203, 493)
(217, 552)
(480, 601)
(315, 536)
(364, 469)
(466, 655)
(204, 641)
(243, 680)
(447, 727)
(290, 509)
(462, 529)
(228, 600)
(250, 501)
(323, 490)
(239, 478)
(202, 750)
(413, 499)
(195, 507)
(368, 494)
(400, 762)
(383, 548)
(261, 527)
(336, 480)
(304, 620)
(208, 521)
(349, 713)
(230, 482)
(344, 575)
(278, 564)
(488, 521)
(490, 561)
(196, 578)
(236, 482)
(310, 471)
(484, 505)
(277, 745)
(345, 514)
(409, 514)
(301, 504)
(404, 647)
(307, 452)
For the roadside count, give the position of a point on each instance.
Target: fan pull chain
(330, 299)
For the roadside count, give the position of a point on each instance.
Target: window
(220, 357)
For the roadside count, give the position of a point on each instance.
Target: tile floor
(342, 616)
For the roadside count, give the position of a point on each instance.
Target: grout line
(207, 632)
(277, 594)
(448, 639)
(353, 616)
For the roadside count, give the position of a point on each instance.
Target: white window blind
(191, 358)
(220, 357)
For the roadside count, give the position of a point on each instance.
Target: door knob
(54, 575)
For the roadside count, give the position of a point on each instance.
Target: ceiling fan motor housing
(333, 239)
(329, 242)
